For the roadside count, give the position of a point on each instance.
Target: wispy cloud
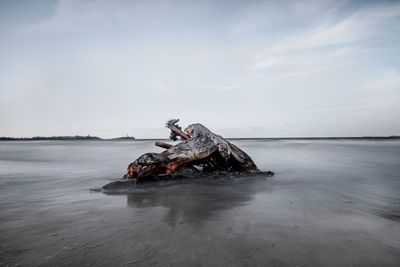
(390, 79)
(384, 89)
(82, 16)
(238, 63)
(259, 16)
(360, 26)
(330, 43)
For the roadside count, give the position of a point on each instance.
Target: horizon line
(132, 138)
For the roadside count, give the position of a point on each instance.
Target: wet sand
(331, 203)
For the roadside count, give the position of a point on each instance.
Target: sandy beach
(331, 203)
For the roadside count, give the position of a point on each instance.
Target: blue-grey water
(330, 203)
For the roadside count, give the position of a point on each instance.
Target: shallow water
(331, 203)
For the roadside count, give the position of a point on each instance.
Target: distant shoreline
(66, 138)
(130, 138)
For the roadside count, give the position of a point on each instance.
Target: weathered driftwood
(200, 152)
(163, 145)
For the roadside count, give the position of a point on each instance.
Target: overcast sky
(242, 68)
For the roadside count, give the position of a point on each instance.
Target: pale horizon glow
(242, 68)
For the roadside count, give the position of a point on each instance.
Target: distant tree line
(127, 138)
(62, 138)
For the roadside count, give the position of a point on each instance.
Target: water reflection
(200, 201)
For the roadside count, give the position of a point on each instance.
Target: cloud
(390, 79)
(384, 89)
(259, 16)
(223, 85)
(304, 59)
(328, 44)
(83, 16)
(359, 26)
(236, 63)
(313, 70)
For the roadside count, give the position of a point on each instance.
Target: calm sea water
(328, 198)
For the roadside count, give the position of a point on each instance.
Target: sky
(242, 68)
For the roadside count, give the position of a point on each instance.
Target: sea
(330, 203)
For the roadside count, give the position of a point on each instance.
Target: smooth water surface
(331, 203)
